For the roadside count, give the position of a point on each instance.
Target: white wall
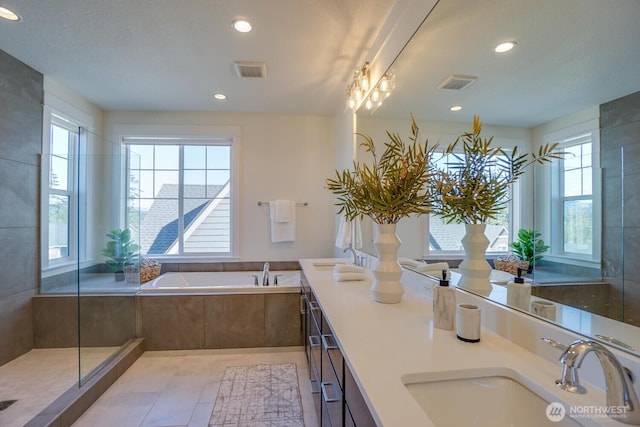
(282, 157)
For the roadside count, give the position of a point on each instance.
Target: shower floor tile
(37, 378)
(179, 388)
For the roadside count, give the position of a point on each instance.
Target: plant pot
(474, 268)
(119, 276)
(386, 287)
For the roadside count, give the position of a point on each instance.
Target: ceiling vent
(250, 68)
(457, 82)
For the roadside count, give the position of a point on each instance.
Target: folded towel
(283, 210)
(283, 220)
(348, 268)
(436, 266)
(349, 234)
(348, 277)
(408, 262)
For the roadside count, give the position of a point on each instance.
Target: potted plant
(529, 246)
(474, 187)
(120, 250)
(393, 186)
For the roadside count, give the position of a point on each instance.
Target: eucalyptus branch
(395, 185)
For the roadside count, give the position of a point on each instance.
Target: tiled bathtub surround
(220, 321)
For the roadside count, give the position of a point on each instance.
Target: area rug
(257, 396)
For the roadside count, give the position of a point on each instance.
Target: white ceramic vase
(474, 268)
(386, 270)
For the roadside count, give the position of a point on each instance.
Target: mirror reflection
(570, 78)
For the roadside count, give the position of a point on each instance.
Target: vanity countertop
(383, 342)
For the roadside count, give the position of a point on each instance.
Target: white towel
(348, 268)
(283, 220)
(408, 262)
(349, 234)
(283, 210)
(436, 266)
(348, 277)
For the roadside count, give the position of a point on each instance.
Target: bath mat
(258, 395)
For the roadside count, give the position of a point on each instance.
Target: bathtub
(235, 282)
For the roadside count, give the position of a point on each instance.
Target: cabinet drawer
(356, 406)
(330, 346)
(332, 401)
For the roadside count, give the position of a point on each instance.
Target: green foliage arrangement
(120, 250)
(529, 246)
(394, 186)
(475, 188)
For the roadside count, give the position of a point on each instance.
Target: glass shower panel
(108, 275)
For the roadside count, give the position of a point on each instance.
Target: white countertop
(383, 342)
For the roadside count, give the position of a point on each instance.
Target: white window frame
(188, 133)
(556, 199)
(63, 114)
(513, 205)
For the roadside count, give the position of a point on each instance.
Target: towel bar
(297, 203)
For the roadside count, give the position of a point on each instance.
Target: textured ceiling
(174, 55)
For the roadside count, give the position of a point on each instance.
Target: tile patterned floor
(37, 378)
(179, 388)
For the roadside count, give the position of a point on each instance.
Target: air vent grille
(457, 82)
(250, 69)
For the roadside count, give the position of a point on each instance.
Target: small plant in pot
(529, 246)
(120, 251)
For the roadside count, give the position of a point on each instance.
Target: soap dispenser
(519, 293)
(444, 304)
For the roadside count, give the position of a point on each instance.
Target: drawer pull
(325, 394)
(328, 342)
(303, 309)
(314, 305)
(313, 385)
(314, 340)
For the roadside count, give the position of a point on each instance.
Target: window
(446, 239)
(183, 188)
(59, 200)
(576, 214)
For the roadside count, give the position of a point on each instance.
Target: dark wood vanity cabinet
(337, 398)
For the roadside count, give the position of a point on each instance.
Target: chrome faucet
(618, 379)
(265, 274)
(357, 260)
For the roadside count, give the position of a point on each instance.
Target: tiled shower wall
(21, 97)
(620, 160)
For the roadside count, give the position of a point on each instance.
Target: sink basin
(487, 397)
(325, 266)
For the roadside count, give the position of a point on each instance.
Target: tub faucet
(265, 274)
(621, 397)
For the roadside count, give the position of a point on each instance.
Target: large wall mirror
(572, 78)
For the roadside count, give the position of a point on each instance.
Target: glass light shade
(8, 14)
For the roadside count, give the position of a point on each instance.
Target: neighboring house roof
(444, 236)
(159, 226)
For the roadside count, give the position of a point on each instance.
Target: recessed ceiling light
(220, 96)
(8, 14)
(242, 25)
(505, 47)
(455, 108)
